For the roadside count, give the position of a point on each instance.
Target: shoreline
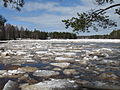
(71, 40)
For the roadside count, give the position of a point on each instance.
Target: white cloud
(49, 20)
(45, 21)
(31, 6)
(55, 7)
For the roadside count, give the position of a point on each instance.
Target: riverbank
(75, 40)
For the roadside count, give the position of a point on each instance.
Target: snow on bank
(73, 40)
(89, 40)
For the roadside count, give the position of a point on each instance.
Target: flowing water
(94, 71)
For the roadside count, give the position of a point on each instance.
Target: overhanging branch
(102, 10)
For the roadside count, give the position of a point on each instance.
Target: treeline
(62, 35)
(115, 34)
(11, 32)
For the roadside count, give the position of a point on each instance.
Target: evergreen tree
(2, 30)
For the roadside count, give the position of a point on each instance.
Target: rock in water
(70, 72)
(109, 76)
(64, 59)
(62, 65)
(28, 69)
(55, 84)
(45, 73)
(11, 85)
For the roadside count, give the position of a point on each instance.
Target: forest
(11, 32)
(115, 34)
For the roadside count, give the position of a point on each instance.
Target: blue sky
(46, 15)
